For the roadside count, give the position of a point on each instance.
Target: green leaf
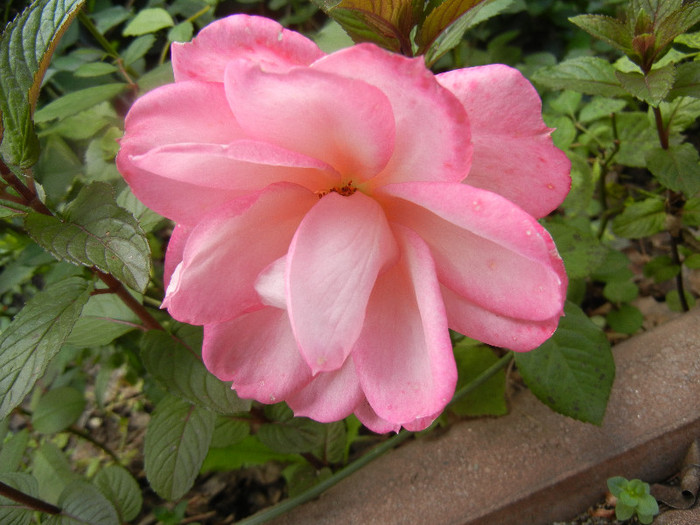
(52, 470)
(58, 409)
(180, 370)
(95, 69)
(177, 440)
(332, 449)
(35, 336)
(120, 487)
(573, 371)
(228, 432)
(365, 25)
(293, 436)
(182, 32)
(487, 400)
(26, 46)
(677, 168)
(687, 82)
(640, 219)
(651, 88)
(673, 300)
(82, 503)
(138, 48)
(620, 291)
(78, 101)
(96, 232)
(104, 318)
(691, 212)
(578, 247)
(661, 268)
(12, 451)
(148, 20)
(248, 452)
(625, 320)
(590, 75)
(608, 29)
(11, 512)
(616, 485)
(300, 477)
(636, 137)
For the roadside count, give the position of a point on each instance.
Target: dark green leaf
(228, 432)
(620, 291)
(573, 371)
(35, 336)
(11, 512)
(181, 371)
(332, 450)
(58, 409)
(177, 440)
(83, 503)
(640, 219)
(691, 212)
(96, 232)
(590, 75)
(610, 30)
(625, 320)
(95, 69)
(104, 318)
(26, 46)
(687, 82)
(300, 477)
(651, 88)
(577, 245)
(661, 268)
(295, 435)
(487, 400)
(120, 487)
(677, 168)
(78, 101)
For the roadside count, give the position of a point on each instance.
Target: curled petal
(176, 247)
(513, 151)
(486, 249)
(432, 131)
(339, 249)
(257, 352)
(345, 123)
(369, 418)
(404, 355)
(330, 396)
(229, 248)
(256, 39)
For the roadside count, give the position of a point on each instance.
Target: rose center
(345, 190)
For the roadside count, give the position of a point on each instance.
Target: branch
(26, 499)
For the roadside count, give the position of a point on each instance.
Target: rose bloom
(336, 214)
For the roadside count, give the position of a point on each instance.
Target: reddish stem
(26, 499)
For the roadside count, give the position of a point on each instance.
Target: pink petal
(342, 122)
(257, 39)
(330, 396)
(339, 249)
(369, 418)
(244, 165)
(404, 355)
(479, 323)
(176, 247)
(432, 131)
(229, 248)
(485, 248)
(258, 353)
(270, 284)
(513, 150)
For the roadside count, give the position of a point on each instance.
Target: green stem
(315, 491)
(675, 255)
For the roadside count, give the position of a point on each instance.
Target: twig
(29, 501)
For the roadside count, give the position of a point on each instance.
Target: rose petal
(485, 248)
(513, 151)
(257, 39)
(229, 248)
(345, 123)
(339, 249)
(258, 353)
(270, 284)
(404, 355)
(432, 131)
(176, 247)
(369, 418)
(479, 323)
(330, 396)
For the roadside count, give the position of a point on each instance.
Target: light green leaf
(573, 371)
(138, 48)
(35, 336)
(52, 470)
(487, 400)
(247, 453)
(182, 32)
(96, 232)
(26, 46)
(640, 219)
(82, 503)
(120, 487)
(590, 75)
(673, 300)
(625, 320)
(104, 318)
(177, 440)
(148, 20)
(12, 451)
(95, 69)
(78, 101)
(11, 512)
(636, 137)
(620, 291)
(599, 107)
(651, 88)
(58, 409)
(181, 371)
(677, 168)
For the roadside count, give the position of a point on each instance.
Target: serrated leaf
(687, 82)
(148, 20)
(640, 219)
(104, 318)
(366, 26)
(52, 470)
(578, 247)
(177, 440)
(590, 75)
(120, 487)
(58, 409)
(96, 232)
(78, 101)
(636, 137)
(651, 88)
(572, 372)
(35, 336)
(608, 29)
(26, 46)
(11, 512)
(82, 503)
(228, 432)
(487, 400)
(293, 436)
(12, 451)
(182, 373)
(332, 448)
(677, 168)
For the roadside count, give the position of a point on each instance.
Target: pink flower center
(345, 190)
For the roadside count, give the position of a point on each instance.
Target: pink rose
(337, 213)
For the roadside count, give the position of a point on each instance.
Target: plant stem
(675, 255)
(392, 442)
(661, 131)
(26, 499)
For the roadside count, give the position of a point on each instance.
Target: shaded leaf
(608, 29)
(687, 82)
(573, 371)
(58, 409)
(640, 219)
(11, 512)
(590, 75)
(104, 318)
(82, 503)
(96, 232)
(332, 449)
(677, 168)
(228, 432)
(35, 336)
(489, 398)
(651, 88)
(12, 451)
(177, 440)
(120, 487)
